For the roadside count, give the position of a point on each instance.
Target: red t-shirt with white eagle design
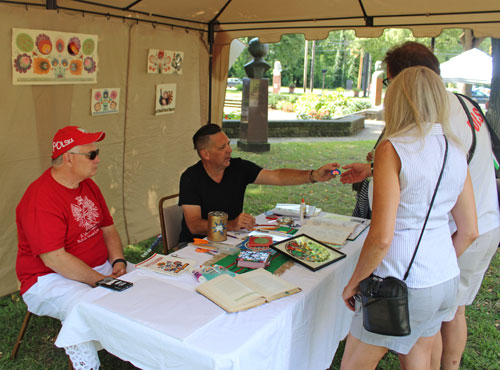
(51, 216)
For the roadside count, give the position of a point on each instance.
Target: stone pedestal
(276, 77)
(276, 84)
(254, 123)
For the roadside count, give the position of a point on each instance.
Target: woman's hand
(348, 295)
(356, 172)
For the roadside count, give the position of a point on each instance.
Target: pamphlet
(204, 273)
(167, 265)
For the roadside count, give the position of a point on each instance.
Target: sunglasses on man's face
(386, 81)
(90, 155)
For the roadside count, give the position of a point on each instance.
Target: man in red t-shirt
(66, 237)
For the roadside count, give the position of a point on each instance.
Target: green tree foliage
(290, 52)
(339, 54)
(339, 69)
(449, 44)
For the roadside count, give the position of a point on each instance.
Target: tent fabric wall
(219, 80)
(142, 155)
(158, 148)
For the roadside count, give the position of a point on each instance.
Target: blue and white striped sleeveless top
(421, 163)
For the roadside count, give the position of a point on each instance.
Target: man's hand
(324, 173)
(356, 172)
(119, 269)
(243, 221)
(70, 267)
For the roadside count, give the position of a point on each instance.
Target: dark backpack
(495, 140)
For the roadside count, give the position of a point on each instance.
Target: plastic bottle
(302, 211)
(199, 276)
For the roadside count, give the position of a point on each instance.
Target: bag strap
(430, 207)
(472, 148)
(495, 140)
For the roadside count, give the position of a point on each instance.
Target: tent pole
(210, 63)
(211, 41)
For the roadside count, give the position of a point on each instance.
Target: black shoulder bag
(385, 300)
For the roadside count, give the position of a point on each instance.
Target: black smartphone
(114, 284)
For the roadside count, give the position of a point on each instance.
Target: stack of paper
(292, 210)
(328, 230)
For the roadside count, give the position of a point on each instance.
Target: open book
(247, 290)
(332, 229)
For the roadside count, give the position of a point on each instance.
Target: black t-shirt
(197, 188)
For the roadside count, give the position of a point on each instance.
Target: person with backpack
(475, 138)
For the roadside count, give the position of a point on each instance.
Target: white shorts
(473, 264)
(54, 295)
(428, 308)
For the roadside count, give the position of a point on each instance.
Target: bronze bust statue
(257, 67)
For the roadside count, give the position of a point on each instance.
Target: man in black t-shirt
(218, 182)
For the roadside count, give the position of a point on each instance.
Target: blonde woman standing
(408, 161)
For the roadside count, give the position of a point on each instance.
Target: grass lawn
(483, 347)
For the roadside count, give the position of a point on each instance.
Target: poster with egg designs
(42, 57)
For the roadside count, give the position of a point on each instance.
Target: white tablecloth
(300, 332)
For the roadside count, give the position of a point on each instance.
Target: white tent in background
(235, 50)
(471, 67)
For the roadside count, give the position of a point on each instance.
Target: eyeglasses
(386, 81)
(91, 155)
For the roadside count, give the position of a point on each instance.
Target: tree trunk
(306, 56)
(493, 114)
(313, 55)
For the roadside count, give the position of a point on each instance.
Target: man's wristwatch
(119, 260)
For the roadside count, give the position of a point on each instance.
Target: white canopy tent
(471, 67)
(143, 155)
(236, 49)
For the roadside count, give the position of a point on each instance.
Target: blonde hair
(416, 99)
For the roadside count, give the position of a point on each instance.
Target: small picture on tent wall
(105, 101)
(165, 61)
(165, 99)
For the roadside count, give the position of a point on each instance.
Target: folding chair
(170, 221)
(20, 337)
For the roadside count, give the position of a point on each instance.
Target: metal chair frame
(166, 248)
